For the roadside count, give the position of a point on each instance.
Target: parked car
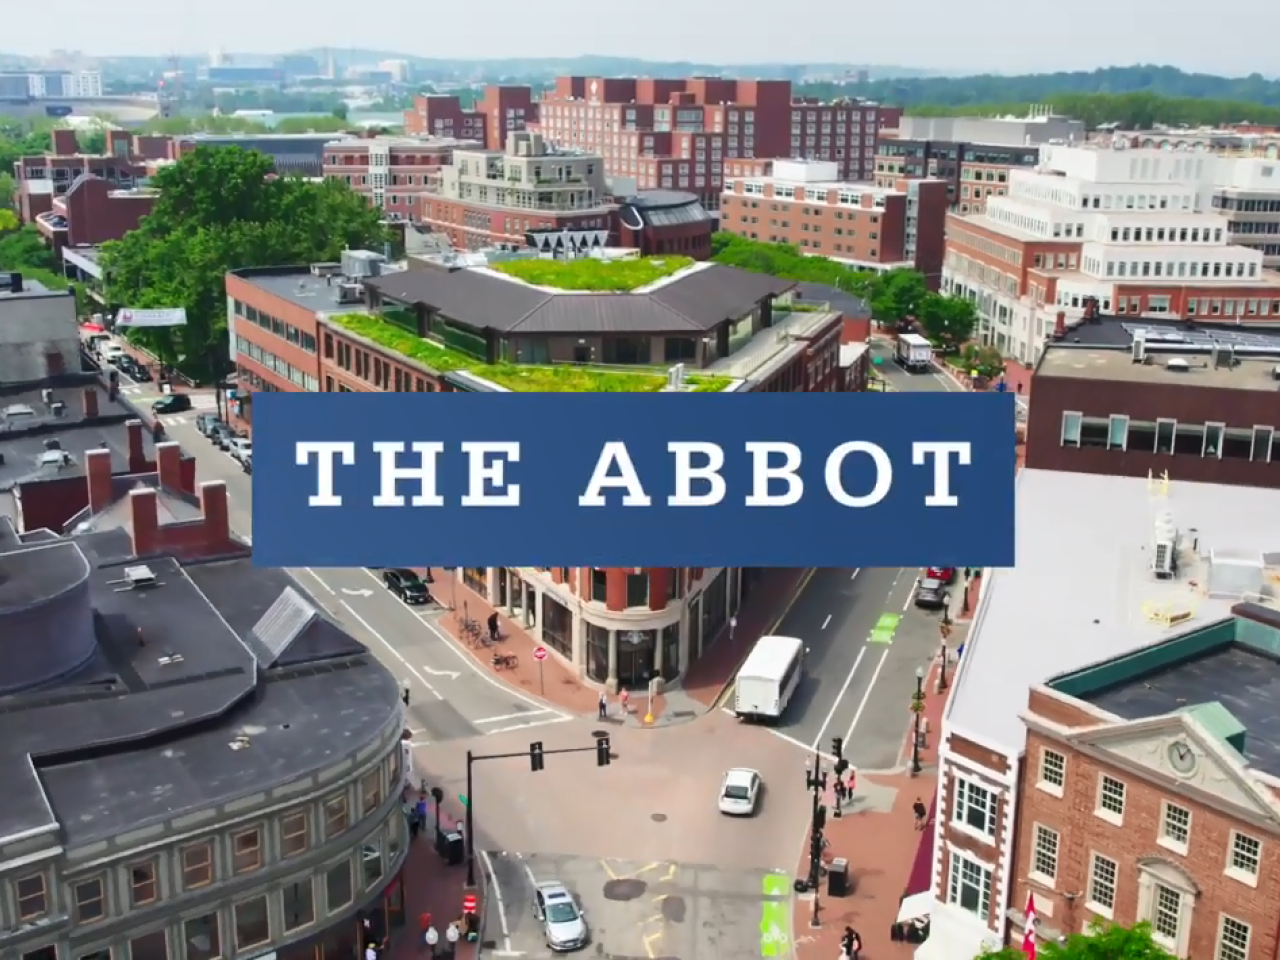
(739, 792)
(407, 585)
(564, 924)
(931, 594)
(946, 574)
(241, 448)
(220, 434)
(140, 373)
(173, 403)
(205, 422)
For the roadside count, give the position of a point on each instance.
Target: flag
(1029, 928)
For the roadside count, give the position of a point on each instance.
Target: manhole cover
(684, 714)
(674, 909)
(599, 733)
(623, 890)
(658, 817)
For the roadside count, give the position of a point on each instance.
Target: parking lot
(645, 911)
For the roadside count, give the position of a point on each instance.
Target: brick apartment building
(500, 110)
(395, 173)
(870, 227)
(677, 134)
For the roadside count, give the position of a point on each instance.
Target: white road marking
(315, 576)
(839, 697)
(854, 575)
(528, 872)
(848, 737)
(526, 726)
(392, 650)
(826, 621)
(807, 748)
(497, 896)
(451, 674)
(510, 716)
(907, 603)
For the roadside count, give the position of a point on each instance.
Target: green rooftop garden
(596, 276)
(519, 378)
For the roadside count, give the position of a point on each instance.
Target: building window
(298, 901)
(1103, 872)
(294, 834)
(1246, 855)
(201, 939)
(1053, 772)
(336, 819)
(969, 886)
(371, 791)
(1110, 800)
(197, 865)
(1071, 425)
(638, 589)
(371, 864)
(1175, 827)
(337, 885)
(1166, 913)
(1233, 939)
(150, 946)
(1044, 855)
(975, 807)
(599, 584)
(557, 626)
(33, 900)
(90, 903)
(1117, 432)
(253, 925)
(246, 851)
(143, 888)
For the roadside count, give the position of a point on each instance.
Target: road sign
(469, 903)
(539, 653)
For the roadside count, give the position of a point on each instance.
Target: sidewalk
(877, 835)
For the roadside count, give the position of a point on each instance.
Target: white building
(1135, 230)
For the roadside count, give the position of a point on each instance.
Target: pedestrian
(371, 951)
(623, 699)
(451, 937)
(415, 821)
(839, 789)
(432, 937)
(493, 626)
(921, 812)
(857, 945)
(424, 924)
(852, 785)
(602, 708)
(421, 810)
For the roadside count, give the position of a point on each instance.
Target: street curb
(723, 695)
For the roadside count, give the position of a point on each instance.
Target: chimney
(213, 504)
(169, 466)
(1060, 325)
(145, 521)
(65, 143)
(137, 456)
(97, 466)
(90, 395)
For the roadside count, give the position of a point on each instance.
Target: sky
(977, 36)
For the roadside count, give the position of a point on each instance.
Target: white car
(241, 448)
(739, 792)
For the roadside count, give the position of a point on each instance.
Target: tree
(341, 111)
(947, 321)
(1104, 941)
(8, 220)
(897, 295)
(24, 248)
(8, 189)
(785, 261)
(219, 209)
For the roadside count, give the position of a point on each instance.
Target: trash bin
(838, 878)
(450, 846)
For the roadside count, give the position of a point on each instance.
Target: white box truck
(913, 352)
(768, 678)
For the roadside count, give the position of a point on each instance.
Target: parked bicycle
(470, 629)
(505, 661)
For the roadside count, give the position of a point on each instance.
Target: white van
(768, 678)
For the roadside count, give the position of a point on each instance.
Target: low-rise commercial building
(395, 173)
(869, 227)
(39, 337)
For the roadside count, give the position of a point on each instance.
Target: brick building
(804, 203)
(500, 110)
(1140, 724)
(1133, 399)
(395, 173)
(43, 178)
(92, 212)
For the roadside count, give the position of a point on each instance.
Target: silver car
(564, 925)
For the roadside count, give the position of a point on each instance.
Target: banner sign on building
(636, 480)
(136, 317)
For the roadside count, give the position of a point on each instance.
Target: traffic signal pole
(536, 753)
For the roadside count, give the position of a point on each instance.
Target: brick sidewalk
(877, 836)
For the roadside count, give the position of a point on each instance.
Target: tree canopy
(1104, 941)
(220, 209)
(947, 321)
(786, 261)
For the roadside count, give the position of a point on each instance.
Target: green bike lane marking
(775, 920)
(885, 628)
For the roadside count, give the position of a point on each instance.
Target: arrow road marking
(451, 674)
(391, 649)
(357, 593)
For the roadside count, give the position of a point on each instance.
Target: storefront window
(695, 627)
(675, 583)
(597, 653)
(714, 614)
(599, 584)
(734, 575)
(638, 589)
(671, 651)
(635, 657)
(557, 626)
(477, 578)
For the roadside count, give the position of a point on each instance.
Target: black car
(139, 373)
(407, 585)
(206, 422)
(931, 594)
(173, 403)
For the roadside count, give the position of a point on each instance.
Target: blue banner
(633, 480)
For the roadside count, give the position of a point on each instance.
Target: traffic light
(602, 751)
(536, 760)
(841, 766)
(819, 818)
(837, 747)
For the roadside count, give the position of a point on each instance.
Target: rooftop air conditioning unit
(362, 263)
(1164, 556)
(350, 293)
(1139, 347)
(140, 577)
(325, 269)
(1177, 364)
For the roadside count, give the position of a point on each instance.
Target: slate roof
(696, 302)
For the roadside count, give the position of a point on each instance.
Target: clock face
(1182, 758)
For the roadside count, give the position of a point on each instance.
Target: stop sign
(540, 653)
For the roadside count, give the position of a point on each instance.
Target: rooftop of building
(402, 142)
(592, 274)
(1084, 591)
(165, 688)
(29, 288)
(205, 137)
(1226, 675)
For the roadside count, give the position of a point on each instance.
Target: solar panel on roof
(283, 623)
(1199, 337)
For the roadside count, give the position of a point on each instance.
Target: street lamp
(945, 630)
(815, 780)
(917, 707)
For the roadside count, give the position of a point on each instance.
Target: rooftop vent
(350, 293)
(1164, 554)
(239, 743)
(675, 378)
(1177, 364)
(326, 269)
(170, 660)
(1140, 346)
(140, 577)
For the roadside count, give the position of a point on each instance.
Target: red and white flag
(1029, 930)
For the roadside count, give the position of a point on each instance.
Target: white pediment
(1176, 747)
